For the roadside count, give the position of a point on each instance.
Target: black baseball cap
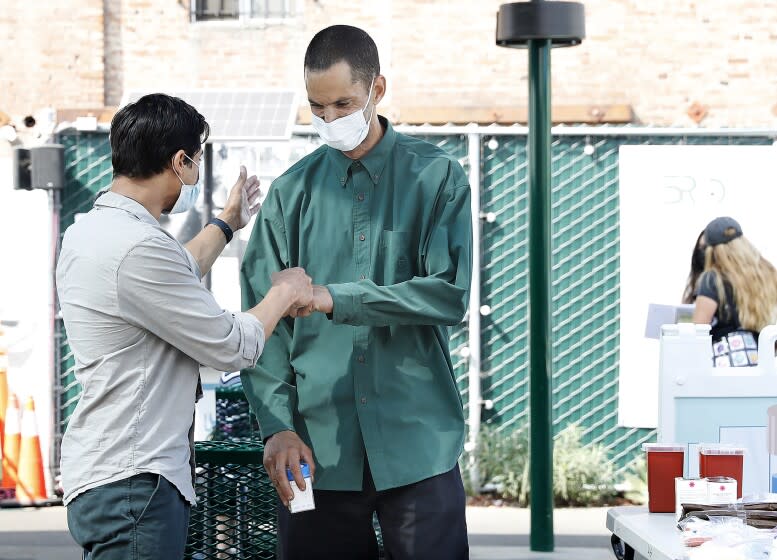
(722, 230)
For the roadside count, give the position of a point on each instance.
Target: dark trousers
(421, 521)
(143, 517)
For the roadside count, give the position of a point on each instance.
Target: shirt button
(357, 163)
(361, 237)
(342, 180)
(362, 277)
(375, 177)
(360, 197)
(364, 400)
(360, 359)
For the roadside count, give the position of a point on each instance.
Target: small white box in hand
(689, 491)
(303, 499)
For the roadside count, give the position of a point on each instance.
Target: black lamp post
(539, 26)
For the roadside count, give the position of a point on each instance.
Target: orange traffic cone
(12, 443)
(30, 482)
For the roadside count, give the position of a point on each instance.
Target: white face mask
(189, 193)
(347, 132)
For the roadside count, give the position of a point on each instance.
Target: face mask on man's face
(189, 193)
(345, 133)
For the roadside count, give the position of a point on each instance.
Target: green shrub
(500, 461)
(582, 474)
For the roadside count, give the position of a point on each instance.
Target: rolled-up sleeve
(159, 290)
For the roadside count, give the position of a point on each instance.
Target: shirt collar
(110, 199)
(374, 162)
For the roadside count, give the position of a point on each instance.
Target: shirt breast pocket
(396, 257)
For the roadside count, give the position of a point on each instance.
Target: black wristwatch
(223, 226)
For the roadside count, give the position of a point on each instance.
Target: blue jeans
(143, 517)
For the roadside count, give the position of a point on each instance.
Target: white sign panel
(25, 301)
(668, 194)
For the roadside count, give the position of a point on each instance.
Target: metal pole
(55, 204)
(208, 195)
(475, 397)
(540, 346)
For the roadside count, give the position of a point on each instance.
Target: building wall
(46, 58)
(662, 58)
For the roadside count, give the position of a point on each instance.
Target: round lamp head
(518, 23)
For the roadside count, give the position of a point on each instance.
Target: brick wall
(659, 57)
(51, 54)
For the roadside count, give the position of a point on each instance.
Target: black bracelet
(223, 226)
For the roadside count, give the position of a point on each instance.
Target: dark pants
(421, 521)
(143, 517)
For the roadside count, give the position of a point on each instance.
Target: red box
(722, 460)
(665, 462)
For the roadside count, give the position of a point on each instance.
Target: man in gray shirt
(139, 323)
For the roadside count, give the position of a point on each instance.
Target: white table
(653, 536)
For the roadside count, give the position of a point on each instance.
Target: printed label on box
(721, 490)
(689, 491)
(303, 499)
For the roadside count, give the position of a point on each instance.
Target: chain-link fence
(585, 276)
(585, 284)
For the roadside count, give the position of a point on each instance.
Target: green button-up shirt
(390, 236)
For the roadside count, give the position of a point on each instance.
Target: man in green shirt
(364, 391)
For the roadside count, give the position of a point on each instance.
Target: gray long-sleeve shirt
(139, 323)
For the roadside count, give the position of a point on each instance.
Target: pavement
(495, 533)
(502, 533)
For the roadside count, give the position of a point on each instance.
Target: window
(243, 10)
(272, 9)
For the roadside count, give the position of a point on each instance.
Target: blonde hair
(753, 281)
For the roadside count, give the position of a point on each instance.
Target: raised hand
(243, 201)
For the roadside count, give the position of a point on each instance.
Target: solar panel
(240, 115)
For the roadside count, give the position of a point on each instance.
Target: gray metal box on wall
(47, 167)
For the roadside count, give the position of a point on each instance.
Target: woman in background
(736, 293)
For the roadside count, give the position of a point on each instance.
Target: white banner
(25, 301)
(668, 194)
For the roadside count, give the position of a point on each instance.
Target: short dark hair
(147, 133)
(344, 43)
